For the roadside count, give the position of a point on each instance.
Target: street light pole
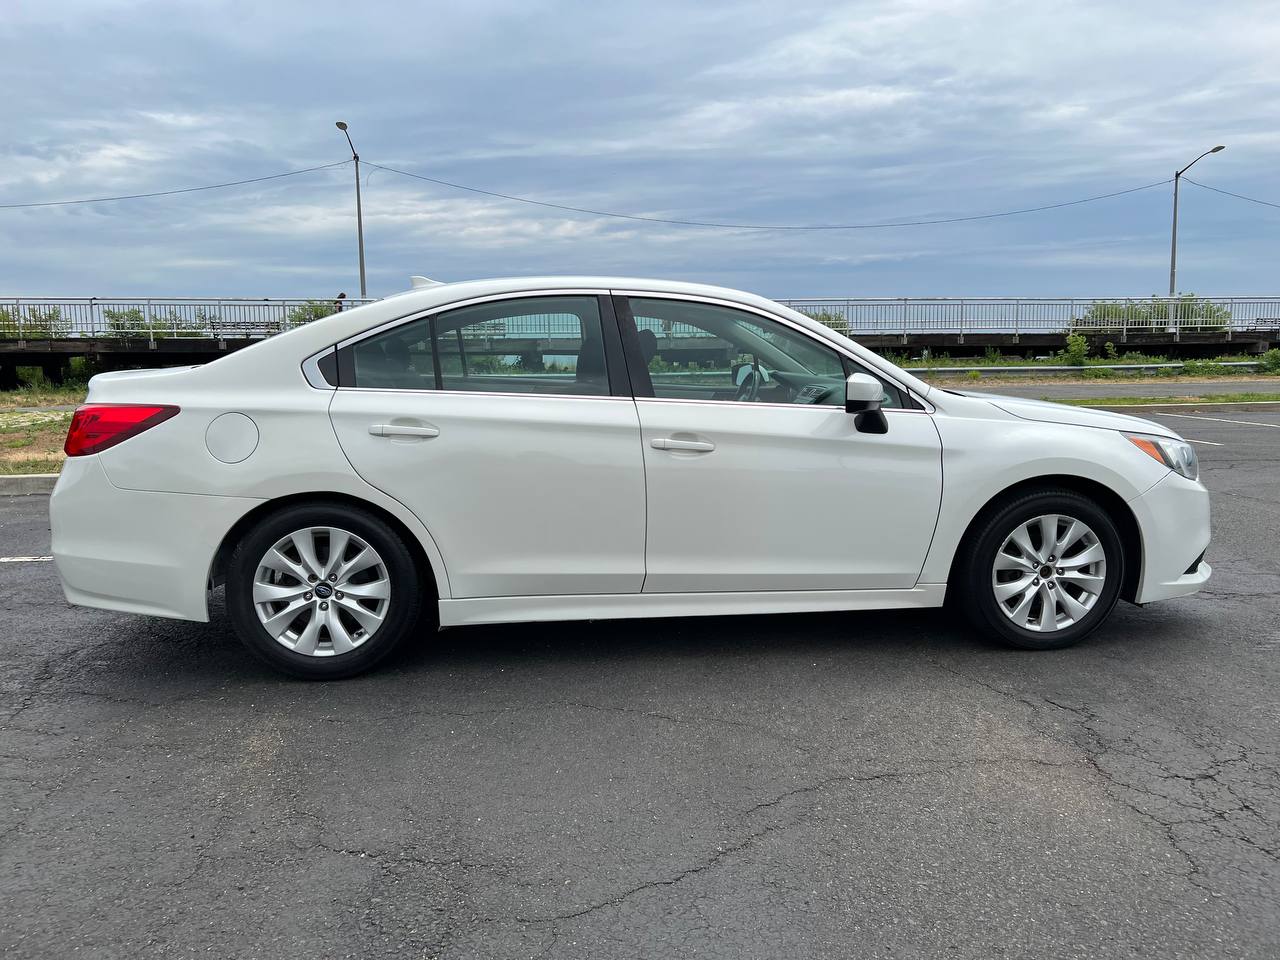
(341, 125)
(1173, 249)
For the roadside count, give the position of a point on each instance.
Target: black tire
(409, 586)
(976, 595)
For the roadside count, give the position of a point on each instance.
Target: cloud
(798, 112)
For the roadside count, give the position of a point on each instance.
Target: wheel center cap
(1045, 573)
(324, 591)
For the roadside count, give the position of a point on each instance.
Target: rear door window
(544, 345)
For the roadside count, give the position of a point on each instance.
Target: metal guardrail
(43, 318)
(1059, 368)
(48, 318)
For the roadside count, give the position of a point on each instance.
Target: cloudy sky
(773, 113)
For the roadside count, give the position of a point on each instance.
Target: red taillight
(98, 426)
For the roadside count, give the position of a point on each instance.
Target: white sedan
(586, 448)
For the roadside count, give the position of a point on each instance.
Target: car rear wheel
(323, 591)
(1043, 570)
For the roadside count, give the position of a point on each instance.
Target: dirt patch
(32, 442)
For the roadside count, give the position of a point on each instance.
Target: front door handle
(402, 430)
(691, 446)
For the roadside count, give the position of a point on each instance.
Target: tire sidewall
(979, 599)
(402, 615)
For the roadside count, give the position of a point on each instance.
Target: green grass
(42, 396)
(1138, 401)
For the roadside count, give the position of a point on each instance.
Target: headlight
(1174, 454)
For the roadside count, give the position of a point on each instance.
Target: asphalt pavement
(843, 786)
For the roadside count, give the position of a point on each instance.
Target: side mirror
(862, 392)
(862, 397)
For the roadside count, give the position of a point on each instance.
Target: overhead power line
(764, 226)
(1228, 193)
(169, 193)
(724, 225)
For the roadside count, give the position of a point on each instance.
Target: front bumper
(1173, 519)
(133, 550)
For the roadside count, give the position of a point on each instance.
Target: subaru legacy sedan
(578, 448)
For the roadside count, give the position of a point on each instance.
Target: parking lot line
(25, 559)
(1207, 443)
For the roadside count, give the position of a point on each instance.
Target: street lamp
(1173, 251)
(342, 125)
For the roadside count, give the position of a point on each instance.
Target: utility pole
(364, 293)
(1173, 250)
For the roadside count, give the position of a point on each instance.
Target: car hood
(1046, 412)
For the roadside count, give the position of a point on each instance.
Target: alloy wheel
(321, 591)
(1049, 573)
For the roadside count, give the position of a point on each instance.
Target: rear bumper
(132, 550)
(1173, 518)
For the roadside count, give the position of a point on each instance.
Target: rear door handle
(402, 430)
(691, 446)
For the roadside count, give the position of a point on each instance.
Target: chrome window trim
(829, 407)
(482, 393)
(785, 321)
(387, 325)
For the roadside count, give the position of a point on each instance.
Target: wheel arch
(1110, 501)
(217, 569)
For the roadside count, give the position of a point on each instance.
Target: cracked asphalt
(871, 785)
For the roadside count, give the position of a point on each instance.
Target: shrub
(1077, 350)
(134, 324)
(1114, 314)
(32, 323)
(309, 311)
(1204, 368)
(1269, 362)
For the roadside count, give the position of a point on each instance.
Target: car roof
(448, 292)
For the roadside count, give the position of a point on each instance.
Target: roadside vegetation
(1078, 354)
(1093, 367)
(32, 442)
(42, 395)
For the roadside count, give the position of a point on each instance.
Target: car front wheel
(323, 591)
(1044, 570)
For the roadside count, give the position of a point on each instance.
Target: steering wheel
(749, 388)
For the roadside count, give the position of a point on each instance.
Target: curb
(17, 485)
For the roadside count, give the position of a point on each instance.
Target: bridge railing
(45, 318)
(905, 316)
(48, 318)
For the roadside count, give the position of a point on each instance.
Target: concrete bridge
(130, 332)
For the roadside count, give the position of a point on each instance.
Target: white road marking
(25, 559)
(1207, 443)
(1247, 423)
